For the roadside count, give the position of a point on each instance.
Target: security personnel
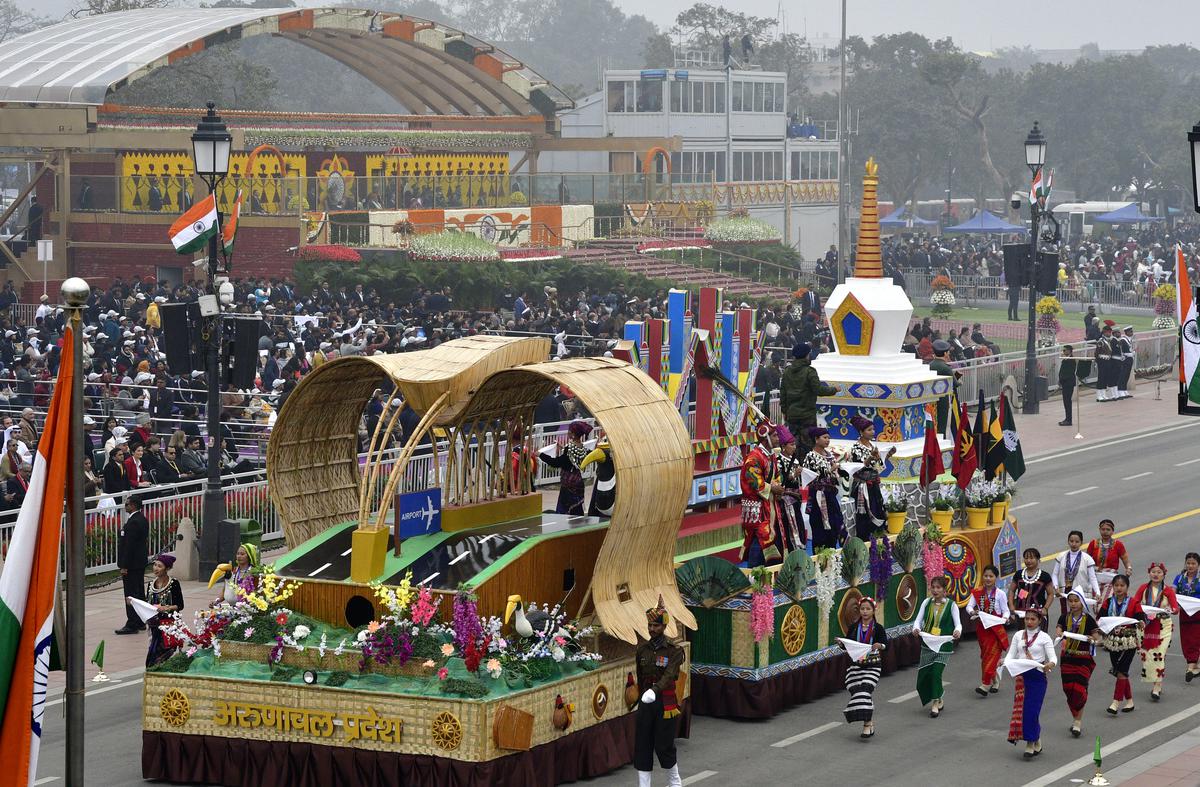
(941, 365)
(1106, 390)
(658, 662)
(1127, 357)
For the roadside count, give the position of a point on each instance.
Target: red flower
(281, 619)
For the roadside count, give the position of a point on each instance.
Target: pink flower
(443, 673)
(560, 640)
(374, 626)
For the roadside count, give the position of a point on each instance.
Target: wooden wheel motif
(600, 700)
(793, 629)
(175, 708)
(906, 598)
(447, 731)
(848, 610)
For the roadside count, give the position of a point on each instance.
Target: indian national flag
(27, 588)
(192, 230)
(229, 228)
(1185, 311)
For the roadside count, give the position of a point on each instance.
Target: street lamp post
(1035, 158)
(1185, 406)
(210, 151)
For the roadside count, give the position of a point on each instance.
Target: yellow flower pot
(942, 519)
(977, 518)
(895, 521)
(1000, 511)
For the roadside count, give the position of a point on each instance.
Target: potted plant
(941, 297)
(1049, 309)
(942, 505)
(1164, 306)
(895, 506)
(980, 495)
(1004, 495)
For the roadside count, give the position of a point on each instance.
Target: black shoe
(1155, 696)
(1075, 731)
(126, 630)
(1065, 423)
(1187, 677)
(981, 691)
(994, 690)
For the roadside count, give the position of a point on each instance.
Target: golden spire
(867, 262)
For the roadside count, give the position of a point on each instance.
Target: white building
(736, 151)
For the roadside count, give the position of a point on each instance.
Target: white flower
(321, 647)
(558, 653)
(452, 247)
(341, 647)
(740, 229)
(362, 636)
(301, 632)
(248, 633)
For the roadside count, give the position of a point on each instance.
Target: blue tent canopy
(1130, 214)
(985, 223)
(898, 219)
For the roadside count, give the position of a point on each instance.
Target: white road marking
(430, 577)
(460, 557)
(699, 777)
(348, 551)
(910, 695)
(1115, 746)
(806, 735)
(93, 692)
(1030, 504)
(1121, 440)
(45, 780)
(319, 570)
(485, 538)
(1188, 462)
(1139, 475)
(1081, 491)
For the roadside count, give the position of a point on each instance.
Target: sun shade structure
(900, 217)
(429, 68)
(1130, 214)
(986, 223)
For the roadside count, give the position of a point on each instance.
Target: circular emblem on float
(599, 700)
(488, 230)
(906, 598)
(446, 731)
(175, 708)
(793, 629)
(960, 567)
(848, 610)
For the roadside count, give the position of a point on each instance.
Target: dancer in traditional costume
(993, 642)
(241, 576)
(1031, 588)
(863, 676)
(1121, 642)
(1076, 569)
(1187, 583)
(824, 506)
(792, 530)
(658, 663)
(165, 594)
(1078, 657)
(1108, 553)
(1035, 645)
(864, 489)
(938, 617)
(1159, 627)
(760, 492)
(567, 461)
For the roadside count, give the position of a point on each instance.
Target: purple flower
(467, 628)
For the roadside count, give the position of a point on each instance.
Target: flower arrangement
(895, 499)
(529, 255)
(932, 558)
(467, 628)
(451, 246)
(941, 298)
(941, 284)
(382, 139)
(880, 569)
(1165, 292)
(741, 229)
(651, 246)
(402, 227)
(272, 591)
(829, 569)
(327, 253)
(1049, 305)
(762, 604)
(945, 498)
(981, 493)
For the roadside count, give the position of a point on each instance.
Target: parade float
(449, 635)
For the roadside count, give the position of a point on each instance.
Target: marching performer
(1035, 645)
(824, 507)
(938, 616)
(1121, 642)
(1076, 569)
(993, 641)
(1031, 588)
(864, 489)
(1159, 627)
(1108, 553)
(863, 676)
(1078, 656)
(760, 491)
(658, 663)
(1187, 583)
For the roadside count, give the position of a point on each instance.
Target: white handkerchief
(990, 621)
(1149, 610)
(1105, 577)
(807, 476)
(144, 610)
(1016, 666)
(857, 650)
(934, 642)
(1188, 604)
(1074, 636)
(550, 450)
(850, 468)
(1108, 623)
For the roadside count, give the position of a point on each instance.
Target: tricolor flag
(1185, 311)
(192, 230)
(229, 228)
(28, 584)
(1039, 190)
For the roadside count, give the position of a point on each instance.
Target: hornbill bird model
(524, 625)
(604, 493)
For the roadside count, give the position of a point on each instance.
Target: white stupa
(868, 316)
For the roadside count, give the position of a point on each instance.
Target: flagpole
(75, 293)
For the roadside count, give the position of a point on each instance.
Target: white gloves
(648, 697)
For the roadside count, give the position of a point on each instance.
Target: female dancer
(164, 592)
(824, 508)
(1187, 583)
(1121, 643)
(1034, 644)
(992, 641)
(570, 484)
(868, 500)
(791, 524)
(1107, 552)
(1078, 658)
(1159, 627)
(863, 676)
(1031, 588)
(938, 616)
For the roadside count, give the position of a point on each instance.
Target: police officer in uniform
(1105, 389)
(658, 662)
(1126, 345)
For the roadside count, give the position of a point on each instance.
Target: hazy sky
(975, 24)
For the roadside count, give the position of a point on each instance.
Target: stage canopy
(900, 219)
(986, 223)
(1130, 214)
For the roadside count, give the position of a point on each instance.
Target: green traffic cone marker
(98, 660)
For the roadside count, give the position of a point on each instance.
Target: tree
(658, 52)
(16, 21)
(707, 25)
(218, 74)
(97, 7)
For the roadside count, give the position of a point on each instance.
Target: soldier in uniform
(1126, 345)
(1105, 389)
(658, 662)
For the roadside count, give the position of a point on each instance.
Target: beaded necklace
(1072, 568)
(866, 632)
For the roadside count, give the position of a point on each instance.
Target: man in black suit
(133, 549)
(162, 406)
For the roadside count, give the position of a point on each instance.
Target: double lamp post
(1035, 158)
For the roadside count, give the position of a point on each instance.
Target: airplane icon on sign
(428, 513)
